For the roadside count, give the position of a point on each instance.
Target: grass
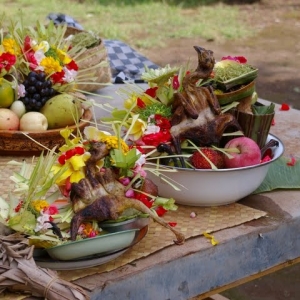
(140, 23)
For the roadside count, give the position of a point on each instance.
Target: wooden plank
(211, 295)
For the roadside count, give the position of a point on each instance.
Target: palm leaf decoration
(159, 76)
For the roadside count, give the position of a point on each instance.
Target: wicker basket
(15, 143)
(89, 58)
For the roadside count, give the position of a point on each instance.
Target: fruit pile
(241, 152)
(41, 108)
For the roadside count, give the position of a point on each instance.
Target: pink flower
(129, 193)
(240, 59)
(51, 210)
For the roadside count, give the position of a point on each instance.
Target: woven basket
(89, 58)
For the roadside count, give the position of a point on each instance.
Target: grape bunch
(38, 90)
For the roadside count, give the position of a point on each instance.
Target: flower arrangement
(171, 100)
(40, 63)
(232, 72)
(40, 208)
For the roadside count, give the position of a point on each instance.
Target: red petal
(292, 162)
(172, 224)
(284, 106)
(273, 122)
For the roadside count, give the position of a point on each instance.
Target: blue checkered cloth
(126, 64)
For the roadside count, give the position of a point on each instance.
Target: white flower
(151, 128)
(70, 75)
(42, 222)
(142, 159)
(21, 90)
(39, 55)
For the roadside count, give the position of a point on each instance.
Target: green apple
(62, 110)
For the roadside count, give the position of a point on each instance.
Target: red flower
(284, 106)
(175, 82)
(140, 103)
(66, 189)
(7, 60)
(18, 207)
(154, 139)
(27, 46)
(143, 198)
(160, 211)
(51, 210)
(151, 92)
(240, 59)
(58, 77)
(72, 66)
(162, 122)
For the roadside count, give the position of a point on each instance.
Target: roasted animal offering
(196, 111)
(100, 196)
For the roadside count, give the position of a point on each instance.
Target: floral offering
(44, 205)
(38, 64)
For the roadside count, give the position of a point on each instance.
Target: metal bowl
(214, 187)
(135, 223)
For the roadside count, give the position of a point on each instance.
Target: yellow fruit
(7, 94)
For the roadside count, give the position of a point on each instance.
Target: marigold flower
(112, 142)
(39, 205)
(10, 46)
(50, 65)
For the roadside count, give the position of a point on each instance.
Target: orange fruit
(7, 94)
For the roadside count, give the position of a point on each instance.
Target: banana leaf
(281, 176)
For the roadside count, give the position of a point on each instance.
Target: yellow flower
(11, 46)
(50, 65)
(112, 142)
(39, 205)
(44, 46)
(63, 56)
(69, 143)
(131, 102)
(137, 129)
(75, 168)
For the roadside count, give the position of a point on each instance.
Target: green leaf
(281, 176)
(124, 161)
(166, 203)
(24, 222)
(263, 109)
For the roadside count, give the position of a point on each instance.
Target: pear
(62, 110)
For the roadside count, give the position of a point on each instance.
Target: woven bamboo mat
(209, 219)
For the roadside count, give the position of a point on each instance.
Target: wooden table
(244, 252)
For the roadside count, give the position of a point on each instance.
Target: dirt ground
(275, 50)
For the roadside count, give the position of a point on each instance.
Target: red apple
(248, 153)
